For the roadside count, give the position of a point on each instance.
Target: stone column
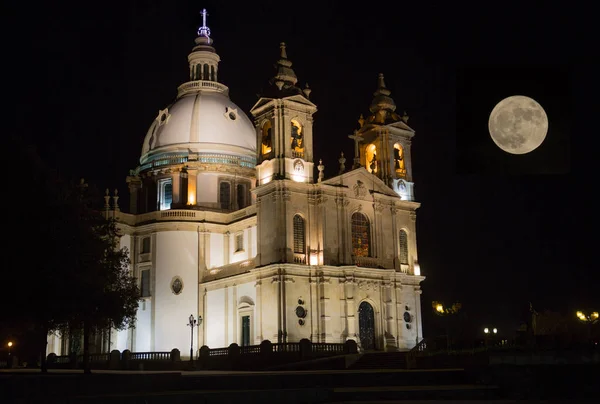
(202, 312)
(314, 309)
(324, 284)
(399, 311)
(418, 322)
(390, 310)
(259, 311)
(226, 244)
(395, 241)
(351, 318)
(234, 301)
(135, 183)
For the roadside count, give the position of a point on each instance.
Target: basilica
(232, 222)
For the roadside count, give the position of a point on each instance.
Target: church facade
(232, 221)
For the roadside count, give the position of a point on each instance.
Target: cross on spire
(204, 30)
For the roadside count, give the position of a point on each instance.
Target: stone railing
(151, 356)
(186, 215)
(230, 269)
(367, 262)
(114, 360)
(204, 85)
(299, 258)
(305, 349)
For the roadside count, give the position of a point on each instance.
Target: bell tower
(283, 117)
(382, 143)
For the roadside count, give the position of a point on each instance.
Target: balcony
(185, 215)
(372, 262)
(201, 85)
(230, 269)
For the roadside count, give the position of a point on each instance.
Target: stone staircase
(380, 360)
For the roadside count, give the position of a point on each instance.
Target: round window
(300, 312)
(177, 285)
(232, 116)
(407, 317)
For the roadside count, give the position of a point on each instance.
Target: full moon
(518, 124)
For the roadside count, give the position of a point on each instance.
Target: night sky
(86, 80)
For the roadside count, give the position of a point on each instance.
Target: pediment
(396, 128)
(262, 101)
(360, 183)
(265, 101)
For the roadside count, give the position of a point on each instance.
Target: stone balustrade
(186, 215)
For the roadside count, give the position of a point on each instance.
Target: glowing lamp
(314, 259)
(486, 330)
(594, 315)
(495, 331)
(417, 269)
(439, 308)
(10, 344)
(580, 315)
(298, 177)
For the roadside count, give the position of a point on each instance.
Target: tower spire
(204, 30)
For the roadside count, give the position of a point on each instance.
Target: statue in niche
(297, 137)
(266, 140)
(399, 159)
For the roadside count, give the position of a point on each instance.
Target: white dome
(204, 122)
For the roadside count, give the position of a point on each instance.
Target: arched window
(225, 195)
(403, 247)
(399, 160)
(297, 137)
(361, 235)
(165, 193)
(267, 139)
(371, 158)
(299, 240)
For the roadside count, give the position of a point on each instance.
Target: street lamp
(192, 323)
(10, 344)
(443, 311)
(590, 319)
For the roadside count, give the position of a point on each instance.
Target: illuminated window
(371, 158)
(399, 160)
(297, 137)
(145, 282)
(267, 139)
(361, 235)
(145, 245)
(299, 241)
(239, 242)
(225, 195)
(165, 194)
(403, 247)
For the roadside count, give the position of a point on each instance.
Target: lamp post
(588, 318)
(192, 323)
(10, 344)
(487, 331)
(443, 311)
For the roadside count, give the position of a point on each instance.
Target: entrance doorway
(245, 330)
(366, 326)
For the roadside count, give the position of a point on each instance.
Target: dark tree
(65, 268)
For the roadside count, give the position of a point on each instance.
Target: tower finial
(283, 53)
(204, 30)
(381, 82)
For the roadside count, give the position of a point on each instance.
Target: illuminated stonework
(227, 222)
